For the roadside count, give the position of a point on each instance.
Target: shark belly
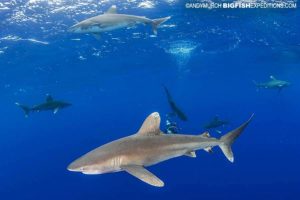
(115, 26)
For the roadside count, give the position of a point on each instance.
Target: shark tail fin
(157, 22)
(228, 139)
(26, 109)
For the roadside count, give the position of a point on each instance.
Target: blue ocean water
(208, 59)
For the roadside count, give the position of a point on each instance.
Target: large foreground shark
(273, 84)
(50, 104)
(147, 147)
(111, 20)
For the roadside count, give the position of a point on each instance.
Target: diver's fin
(168, 93)
(112, 10)
(151, 125)
(143, 174)
(229, 138)
(273, 78)
(49, 98)
(97, 36)
(55, 110)
(157, 22)
(191, 154)
(26, 109)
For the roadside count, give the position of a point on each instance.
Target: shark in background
(175, 109)
(150, 146)
(216, 122)
(111, 20)
(273, 84)
(50, 104)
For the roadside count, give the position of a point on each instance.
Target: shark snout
(75, 167)
(74, 29)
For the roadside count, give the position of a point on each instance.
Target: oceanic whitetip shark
(111, 20)
(215, 123)
(273, 84)
(50, 104)
(147, 147)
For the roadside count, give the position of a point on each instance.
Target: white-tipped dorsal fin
(205, 134)
(112, 10)
(272, 77)
(143, 174)
(151, 125)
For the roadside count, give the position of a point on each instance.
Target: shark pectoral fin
(55, 110)
(143, 174)
(151, 125)
(191, 154)
(97, 36)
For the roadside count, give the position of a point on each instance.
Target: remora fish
(147, 147)
(50, 104)
(176, 110)
(273, 84)
(111, 20)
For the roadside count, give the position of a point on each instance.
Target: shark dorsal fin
(151, 125)
(273, 78)
(49, 98)
(112, 10)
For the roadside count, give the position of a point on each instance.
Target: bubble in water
(181, 50)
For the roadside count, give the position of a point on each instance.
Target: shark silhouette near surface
(147, 147)
(273, 84)
(50, 104)
(175, 109)
(111, 20)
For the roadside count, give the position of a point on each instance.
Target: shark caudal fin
(157, 22)
(228, 139)
(26, 109)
